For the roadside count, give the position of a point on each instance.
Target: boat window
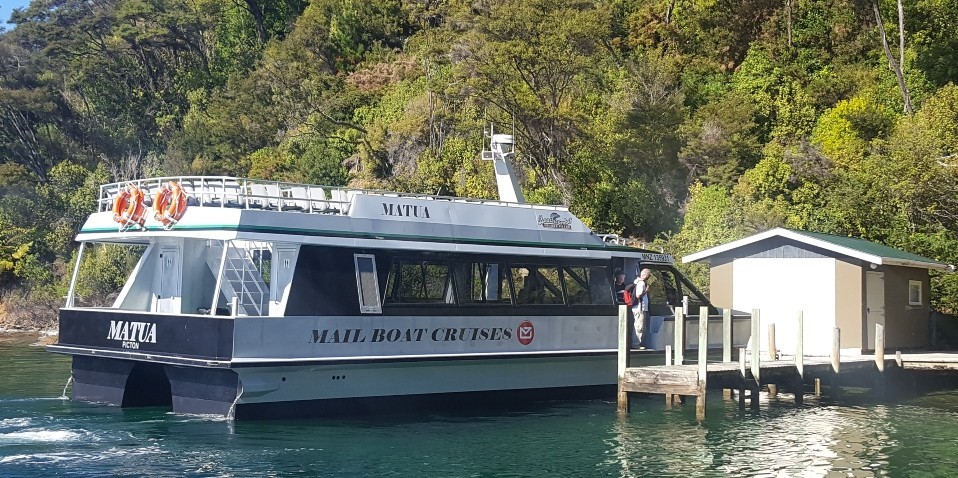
(662, 288)
(587, 285)
(696, 298)
(368, 284)
(419, 282)
(483, 283)
(91, 290)
(536, 284)
(263, 258)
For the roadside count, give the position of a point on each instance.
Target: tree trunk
(668, 11)
(257, 12)
(892, 63)
(788, 8)
(901, 36)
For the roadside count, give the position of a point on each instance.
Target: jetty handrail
(247, 193)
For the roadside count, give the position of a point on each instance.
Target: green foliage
(844, 132)
(103, 271)
(693, 122)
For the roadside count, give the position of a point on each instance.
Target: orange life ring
(128, 208)
(170, 204)
(120, 205)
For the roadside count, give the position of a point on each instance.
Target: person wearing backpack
(639, 290)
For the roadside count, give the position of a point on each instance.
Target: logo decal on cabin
(132, 334)
(405, 210)
(526, 332)
(555, 221)
(440, 334)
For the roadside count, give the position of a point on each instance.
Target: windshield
(667, 287)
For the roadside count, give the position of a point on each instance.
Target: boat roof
(230, 208)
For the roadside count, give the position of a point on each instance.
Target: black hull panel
(100, 380)
(128, 383)
(202, 391)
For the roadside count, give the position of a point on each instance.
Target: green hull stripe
(367, 235)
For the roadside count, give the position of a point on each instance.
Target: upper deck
(229, 208)
(245, 193)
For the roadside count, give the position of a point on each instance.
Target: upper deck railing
(232, 192)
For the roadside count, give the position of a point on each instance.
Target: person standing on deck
(640, 307)
(620, 286)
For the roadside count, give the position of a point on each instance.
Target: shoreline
(39, 337)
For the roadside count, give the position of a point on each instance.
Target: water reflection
(778, 440)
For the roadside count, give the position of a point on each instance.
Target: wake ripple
(32, 436)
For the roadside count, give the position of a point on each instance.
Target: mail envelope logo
(526, 332)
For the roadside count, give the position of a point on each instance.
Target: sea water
(42, 434)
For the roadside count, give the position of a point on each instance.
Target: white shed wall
(782, 287)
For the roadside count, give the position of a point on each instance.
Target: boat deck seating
(243, 193)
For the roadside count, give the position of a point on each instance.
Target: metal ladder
(241, 279)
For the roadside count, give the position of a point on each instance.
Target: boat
(257, 298)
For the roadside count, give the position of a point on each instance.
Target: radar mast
(502, 153)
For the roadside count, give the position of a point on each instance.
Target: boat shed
(834, 281)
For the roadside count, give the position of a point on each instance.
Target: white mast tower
(502, 153)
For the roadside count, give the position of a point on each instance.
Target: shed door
(874, 305)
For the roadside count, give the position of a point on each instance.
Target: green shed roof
(849, 246)
(867, 247)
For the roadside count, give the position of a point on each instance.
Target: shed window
(914, 292)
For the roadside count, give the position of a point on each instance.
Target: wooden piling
(772, 350)
(679, 337)
(818, 387)
(756, 343)
(773, 356)
(669, 398)
(799, 385)
(702, 362)
(880, 347)
(727, 335)
(726, 344)
(836, 350)
(878, 389)
(800, 345)
(836, 360)
(624, 338)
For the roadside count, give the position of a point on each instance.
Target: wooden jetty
(677, 379)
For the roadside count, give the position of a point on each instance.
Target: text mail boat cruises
(254, 298)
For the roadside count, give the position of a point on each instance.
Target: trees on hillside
(696, 121)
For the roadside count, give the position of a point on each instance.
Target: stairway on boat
(240, 277)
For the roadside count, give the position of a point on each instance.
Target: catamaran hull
(292, 390)
(298, 366)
